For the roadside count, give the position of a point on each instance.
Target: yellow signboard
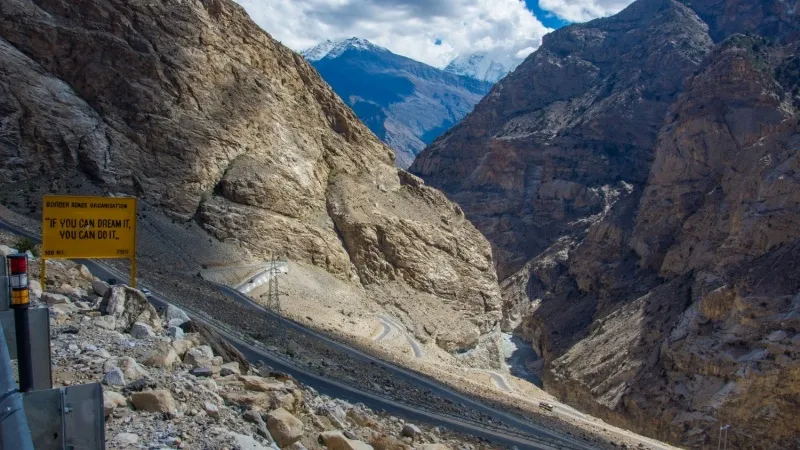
(88, 227)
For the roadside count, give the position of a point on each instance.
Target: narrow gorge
(637, 179)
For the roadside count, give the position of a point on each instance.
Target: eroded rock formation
(636, 177)
(193, 108)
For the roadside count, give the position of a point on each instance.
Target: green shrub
(24, 244)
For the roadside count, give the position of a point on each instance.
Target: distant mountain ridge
(479, 66)
(406, 103)
(334, 49)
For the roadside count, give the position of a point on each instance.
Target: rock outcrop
(194, 109)
(636, 177)
(554, 141)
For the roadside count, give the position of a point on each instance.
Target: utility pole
(719, 439)
(274, 299)
(725, 445)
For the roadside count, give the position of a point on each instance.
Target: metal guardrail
(40, 344)
(14, 431)
(206, 318)
(506, 430)
(67, 418)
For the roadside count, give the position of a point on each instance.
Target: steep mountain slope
(193, 108)
(551, 142)
(407, 104)
(636, 177)
(478, 65)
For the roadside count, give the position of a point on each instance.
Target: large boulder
(35, 289)
(85, 273)
(111, 401)
(202, 357)
(163, 355)
(114, 377)
(385, 442)
(255, 383)
(55, 299)
(231, 368)
(106, 322)
(285, 428)
(128, 366)
(335, 440)
(6, 250)
(159, 401)
(220, 346)
(99, 287)
(412, 431)
(244, 442)
(129, 306)
(141, 330)
(182, 346)
(175, 313)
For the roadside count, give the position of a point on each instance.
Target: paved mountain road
(415, 345)
(530, 436)
(386, 330)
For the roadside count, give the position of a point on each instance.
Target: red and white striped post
(20, 302)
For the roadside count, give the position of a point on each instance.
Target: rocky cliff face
(640, 196)
(193, 108)
(552, 142)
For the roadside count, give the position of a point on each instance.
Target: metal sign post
(40, 344)
(75, 227)
(5, 301)
(14, 431)
(20, 302)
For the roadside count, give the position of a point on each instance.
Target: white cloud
(583, 10)
(505, 29)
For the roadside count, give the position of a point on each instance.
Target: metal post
(14, 431)
(24, 357)
(274, 298)
(20, 302)
(725, 445)
(719, 439)
(5, 301)
(133, 272)
(43, 275)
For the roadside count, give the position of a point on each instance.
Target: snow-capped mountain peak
(318, 51)
(479, 66)
(331, 49)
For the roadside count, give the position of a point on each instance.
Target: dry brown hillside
(208, 120)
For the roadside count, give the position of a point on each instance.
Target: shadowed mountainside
(636, 177)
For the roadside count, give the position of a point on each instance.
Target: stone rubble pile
(165, 387)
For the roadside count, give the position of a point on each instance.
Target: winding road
(530, 435)
(386, 331)
(387, 321)
(499, 380)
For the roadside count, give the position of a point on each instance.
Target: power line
(274, 298)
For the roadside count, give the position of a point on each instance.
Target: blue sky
(548, 19)
(431, 31)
